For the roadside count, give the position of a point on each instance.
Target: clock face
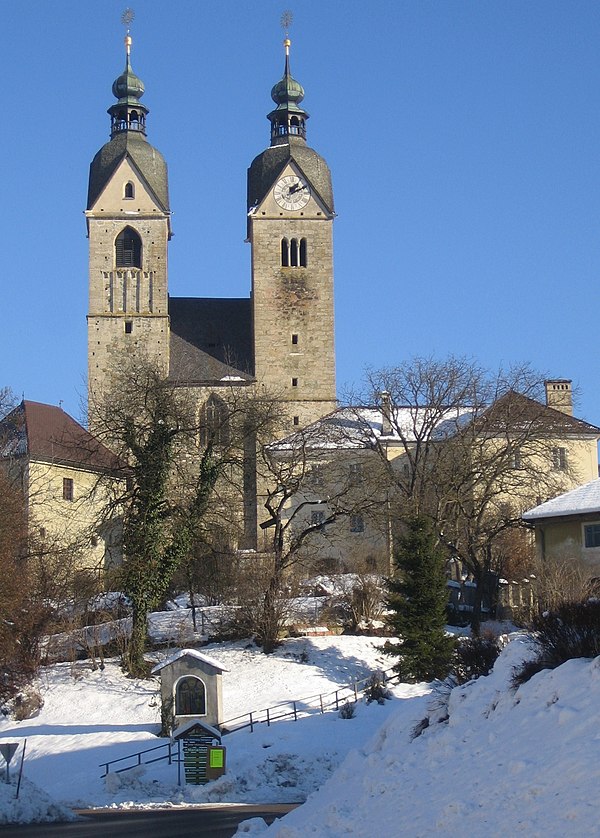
(291, 192)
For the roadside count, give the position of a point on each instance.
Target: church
(282, 337)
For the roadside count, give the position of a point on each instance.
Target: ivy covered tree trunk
(417, 599)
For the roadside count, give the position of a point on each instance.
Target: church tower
(290, 219)
(128, 222)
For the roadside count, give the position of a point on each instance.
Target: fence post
(179, 762)
(321, 701)
(295, 713)
(355, 691)
(337, 703)
(268, 718)
(251, 724)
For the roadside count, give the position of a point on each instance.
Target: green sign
(217, 756)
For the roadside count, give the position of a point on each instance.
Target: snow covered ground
(91, 717)
(522, 762)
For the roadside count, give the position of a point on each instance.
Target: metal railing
(173, 754)
(300, 708)
(303, 707)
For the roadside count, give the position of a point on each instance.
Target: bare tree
(471, 450)
(176, 462)
(309, 488)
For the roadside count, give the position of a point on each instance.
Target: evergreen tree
(417, 598)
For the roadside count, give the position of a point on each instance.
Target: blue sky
(463, 137)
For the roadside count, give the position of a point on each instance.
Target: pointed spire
(128, 114)
(288, 120)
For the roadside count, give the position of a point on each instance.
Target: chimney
(386, 413)
(559, 394)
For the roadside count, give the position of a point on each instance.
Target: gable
(268, 166)
(148, 161)
(315, 208)
(113, 196)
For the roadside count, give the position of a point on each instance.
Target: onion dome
(128, 114)
(288, 120)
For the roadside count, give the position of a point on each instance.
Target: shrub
(473, 657)
(572, 630)
(376, 689)
(347, 711)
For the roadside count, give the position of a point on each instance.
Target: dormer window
(129, 191)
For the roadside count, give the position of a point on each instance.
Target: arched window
(129, 191)
(294, 124)
(214, 422)
(128, 249)
(190, 697)
(294, 253)
(303, 261)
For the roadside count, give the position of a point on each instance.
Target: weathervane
(286, 21)
(127, 18)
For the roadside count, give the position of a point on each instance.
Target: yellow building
(520, 451)
(58, 466)
(568, 527)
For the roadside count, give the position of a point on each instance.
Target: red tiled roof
(45, 432)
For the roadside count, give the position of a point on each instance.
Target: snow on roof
(193, 653)
(359, 427)
(584, 499)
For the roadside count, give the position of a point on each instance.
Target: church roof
(149, 162)
(211, 340)
(265, 169)
(45, 432)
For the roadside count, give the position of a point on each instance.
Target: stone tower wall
(294, 301)
(128, 307)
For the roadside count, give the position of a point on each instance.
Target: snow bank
(507, 762)
(32, 805)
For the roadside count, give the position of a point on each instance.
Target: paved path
(213, 821)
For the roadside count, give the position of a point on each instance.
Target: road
(199, 821)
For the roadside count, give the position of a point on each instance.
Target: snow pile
(32, 805)
(507, 762)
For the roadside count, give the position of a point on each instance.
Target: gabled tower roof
(128, 139)
(288, 143)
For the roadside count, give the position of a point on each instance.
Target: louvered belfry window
(128, 249)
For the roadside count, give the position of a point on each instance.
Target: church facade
(281, 339)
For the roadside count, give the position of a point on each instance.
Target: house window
(357, 523)
(294, 382)
(285, 253)
(128, 249)
(214, 422)
(190, 697)
(317, 518)
(128, 327)
(303, 260)
(592, 535)
(67, 488)
(129, 191)
(296, 420)
(559, 459)
(316, 475)
(356, 474)
(294, 340)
